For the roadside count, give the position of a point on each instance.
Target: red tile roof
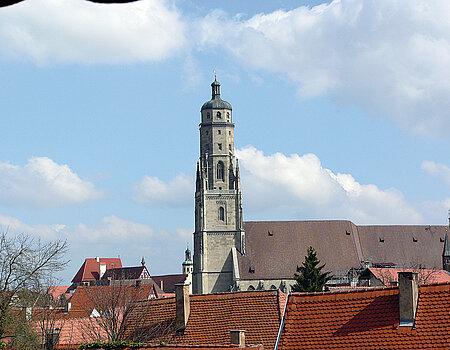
(366, 320)
(426, 276)
(211, 318)
(90, 270)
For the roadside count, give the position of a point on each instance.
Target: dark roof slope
(125, 273)
(211, 318)
(366, 320)
(407, 246)
(169, 281)
(274, 249)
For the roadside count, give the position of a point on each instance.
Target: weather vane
(215, 77)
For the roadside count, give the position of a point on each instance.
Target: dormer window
(219, 146)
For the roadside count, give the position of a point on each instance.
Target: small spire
(143, 261)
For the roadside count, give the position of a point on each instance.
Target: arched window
(220, 171)
(221, 214)
(219, 116)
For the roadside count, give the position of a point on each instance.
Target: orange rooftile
(366, 320)
(211, 318)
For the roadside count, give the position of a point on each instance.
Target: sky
(342, 111)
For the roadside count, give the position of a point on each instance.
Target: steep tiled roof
(169, 281)
(90, 270)
(274, 249)
(366, 320)
(211, 318)
(426, 276)
(85, 299)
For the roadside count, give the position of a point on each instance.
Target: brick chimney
(408, 296)
(238, 337)
(182, 306)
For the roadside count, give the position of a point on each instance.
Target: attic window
(251, 269)
(347, 233)
(381, 240)
(441, 239)
(414, 239)
(269, 233)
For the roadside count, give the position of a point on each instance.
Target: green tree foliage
(310, 277)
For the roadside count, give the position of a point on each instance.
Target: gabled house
(405, 317)
(93, 270)
(378, 277)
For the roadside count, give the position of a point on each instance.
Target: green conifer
(310, 277)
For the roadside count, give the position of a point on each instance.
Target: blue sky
(341, 111)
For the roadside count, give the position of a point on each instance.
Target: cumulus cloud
(155, 192)
(388, 57)
(44, 183)
(439, 170)
(81, 31)
(112, 229)
(300, 185)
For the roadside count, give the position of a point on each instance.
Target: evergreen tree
(311, 278)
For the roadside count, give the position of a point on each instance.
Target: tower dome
(216, 102)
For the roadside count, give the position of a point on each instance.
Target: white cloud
(300, 185)
(44, 183)
(437, 169)
(391, 58)
(155, 192)
(111, 229)
(81, 31)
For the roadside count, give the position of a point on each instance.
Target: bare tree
(25, 265)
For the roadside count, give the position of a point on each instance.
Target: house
(377, 277)
(208, 319)
(405, 317)
(93, 269)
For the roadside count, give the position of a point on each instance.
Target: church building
(230, 254)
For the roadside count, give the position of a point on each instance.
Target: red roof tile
(211, 318)
(366, 320)
(90, 270)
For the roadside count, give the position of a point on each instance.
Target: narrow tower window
(221, 214)
(219, 116)
(220, 172)
(219, 132)
(219, 145)
(208, 115)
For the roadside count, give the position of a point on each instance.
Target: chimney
(51, 338)
(97, 259)
(182, 305)
(238, 337)
(161, 285)
(408, 295)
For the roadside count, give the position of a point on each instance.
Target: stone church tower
(218, 206)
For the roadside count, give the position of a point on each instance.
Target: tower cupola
(216, 102)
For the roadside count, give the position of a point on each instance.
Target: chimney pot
(238, 337)
(408, 296)
(182, 306)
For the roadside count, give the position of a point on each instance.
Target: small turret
(446, 251)
(187, 263)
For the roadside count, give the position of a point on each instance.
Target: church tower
(218, 204)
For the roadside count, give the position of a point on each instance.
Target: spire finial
(215, 76)
(143, 261)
